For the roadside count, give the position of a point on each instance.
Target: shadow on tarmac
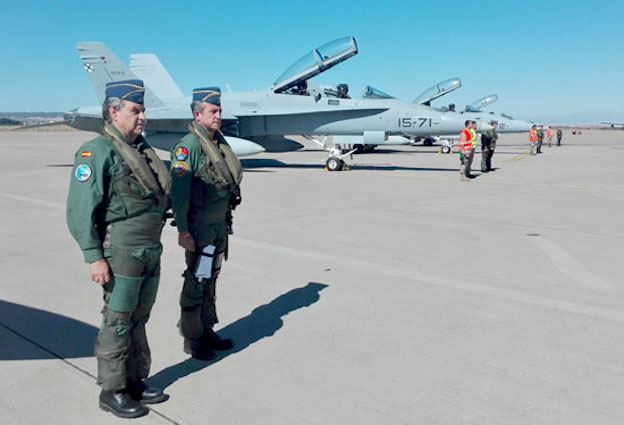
(252, 164)
(261, 323)
(56, 336)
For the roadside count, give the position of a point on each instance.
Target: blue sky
(556, 61)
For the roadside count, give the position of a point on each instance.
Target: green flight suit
(111, 217)
(200, 206)
(559, 136)
(540, 140)
(488, 144)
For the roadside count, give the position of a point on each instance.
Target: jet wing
(302, 112)
(315, 62)
(438, 90)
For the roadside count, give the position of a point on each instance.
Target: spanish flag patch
(86, 154)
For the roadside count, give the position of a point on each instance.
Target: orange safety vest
(549, 133)
(465, 140)
(532, 135)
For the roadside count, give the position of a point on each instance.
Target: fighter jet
(613, 124)
(289, 107)
(506, 123)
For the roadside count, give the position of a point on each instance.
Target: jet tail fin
(149, 68)
(102, 67)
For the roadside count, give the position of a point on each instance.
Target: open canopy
(315, 62)
(481, 103)
(372, 93)
(438, 90)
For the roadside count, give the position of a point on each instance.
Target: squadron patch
(82, 173)
(181, 154)
(179, 168)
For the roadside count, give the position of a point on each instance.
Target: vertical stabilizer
(148, 67)
(102, 67)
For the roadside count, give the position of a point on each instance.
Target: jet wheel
(445, 149)
(334, 164)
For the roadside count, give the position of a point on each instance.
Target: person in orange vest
(533, 139)
(465, 151)
(549, 135)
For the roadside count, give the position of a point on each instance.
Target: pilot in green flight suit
(488, 145)
(205, 179)
(116, 206)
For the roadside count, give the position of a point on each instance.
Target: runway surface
(390, 294)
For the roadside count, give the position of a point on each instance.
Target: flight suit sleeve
(84, 201)
(184, 164)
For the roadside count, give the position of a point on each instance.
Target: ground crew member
(473, 134)
(465, 147)
(116, 206)
(533, 140)
(206, 175)
(549, 135)
(488, 144)
(540, 138)
(559, 136)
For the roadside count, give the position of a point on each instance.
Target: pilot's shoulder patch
(181, 153)
(83, 172)
(179, 168)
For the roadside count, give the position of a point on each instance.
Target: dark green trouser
(121, 346)
(485, 158)
(198, 298)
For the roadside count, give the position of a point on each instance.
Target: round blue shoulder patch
(82, 173)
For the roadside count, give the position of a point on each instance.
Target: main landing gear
(336, 160)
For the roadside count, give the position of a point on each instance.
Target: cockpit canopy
(481, 103)
(507, 116)
(372, 93)
(315, 62)
(438, 90)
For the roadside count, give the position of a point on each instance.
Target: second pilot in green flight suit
(205, 176)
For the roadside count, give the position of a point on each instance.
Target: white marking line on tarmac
(504, 293)
(570, 266)
(31, 200)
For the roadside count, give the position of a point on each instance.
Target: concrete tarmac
(390, 294)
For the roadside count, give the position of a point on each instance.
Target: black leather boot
(144, 394)
(214, 341)
(121, 404)
(198, 350)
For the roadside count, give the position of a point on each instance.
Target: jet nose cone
(481, 126)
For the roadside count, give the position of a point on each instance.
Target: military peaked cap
(208, 94)
(132, 90)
